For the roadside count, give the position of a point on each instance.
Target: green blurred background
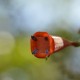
(19, 19)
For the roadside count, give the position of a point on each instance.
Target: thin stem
(76, 44)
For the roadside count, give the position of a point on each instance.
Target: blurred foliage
(21, 61)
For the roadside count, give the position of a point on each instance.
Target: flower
(42, 44)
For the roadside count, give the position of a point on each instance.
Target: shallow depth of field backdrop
(19, 19)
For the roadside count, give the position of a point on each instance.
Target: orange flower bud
(43, 44)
